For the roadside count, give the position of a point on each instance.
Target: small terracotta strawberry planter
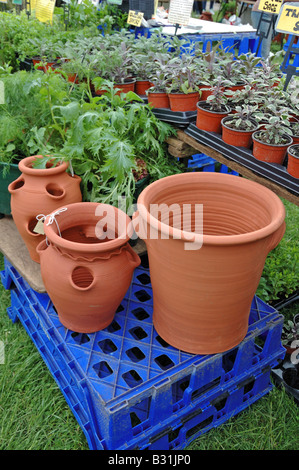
(40, 191)
(87, 265)
(204, 276)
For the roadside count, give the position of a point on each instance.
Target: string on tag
(52, 218)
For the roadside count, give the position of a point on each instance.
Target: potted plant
(290, 334)
(270, 143)
(183, 89)
(293, 160)
(237, 128)
(157, 93)
(211, 111)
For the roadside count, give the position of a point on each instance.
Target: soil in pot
(183, 102)
(208, 120)
(87, 265)
(293, 160)
(237, 136)
(205, 271)
(266, 152)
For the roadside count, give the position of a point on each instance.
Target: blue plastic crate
(125, 385)
(207, 163)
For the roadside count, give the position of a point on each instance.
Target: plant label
(180, 11)
(135, 17)
(288, 19)
(270, 6)
(39, 228)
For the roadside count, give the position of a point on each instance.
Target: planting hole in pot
(31, 226)
(82, 277)
(17, 184)
(54, 190)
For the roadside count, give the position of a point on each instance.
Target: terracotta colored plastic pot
(141, 86)
(267, 152)
(236, 137)
(204, 92)
(203, 285)
(209, 120)
(125, 87)
(40, 191)
(87, 267)
(183, 101)
(158, 100)
(234, 88)
(295, 139)
(72, 77)
(293, 161)
(45, 66)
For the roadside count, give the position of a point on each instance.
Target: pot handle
(276, 237)
(132, 256)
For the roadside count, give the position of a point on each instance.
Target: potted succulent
(271, 142)
(183, 88)
(293, 160)
(237, 128)
(211, 111)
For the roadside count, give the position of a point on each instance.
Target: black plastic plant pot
(291, 377)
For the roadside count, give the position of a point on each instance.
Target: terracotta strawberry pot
(267, 152)
(125, 87)
(237, 137)
(208, 120)
(141, 86)
(87, 267)
(204, 277)
(183, 101)
(293, 161)
(158, 100)
(40, 191)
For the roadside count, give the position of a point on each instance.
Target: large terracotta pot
(203, 286)
(87, 267)
(269, 153)
(183, 101)
(208, 120)
(40, 191)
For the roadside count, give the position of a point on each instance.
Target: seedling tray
(273, 172)
(127, 387)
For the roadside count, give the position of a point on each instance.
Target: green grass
(35, 416)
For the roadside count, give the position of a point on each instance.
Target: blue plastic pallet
(206, 163)
(127, 388)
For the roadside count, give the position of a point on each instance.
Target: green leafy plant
(290, 331)
(244, 118)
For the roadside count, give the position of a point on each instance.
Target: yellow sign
(270, 6)
(44, 10)
(135, 17)
(288, 19)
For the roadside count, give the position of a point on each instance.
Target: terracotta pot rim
(254, 137)
(53, 236)
(198, 105)
(24, 167)
(238, 183)
(226, 118)
(290, 148)
(184, 94)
